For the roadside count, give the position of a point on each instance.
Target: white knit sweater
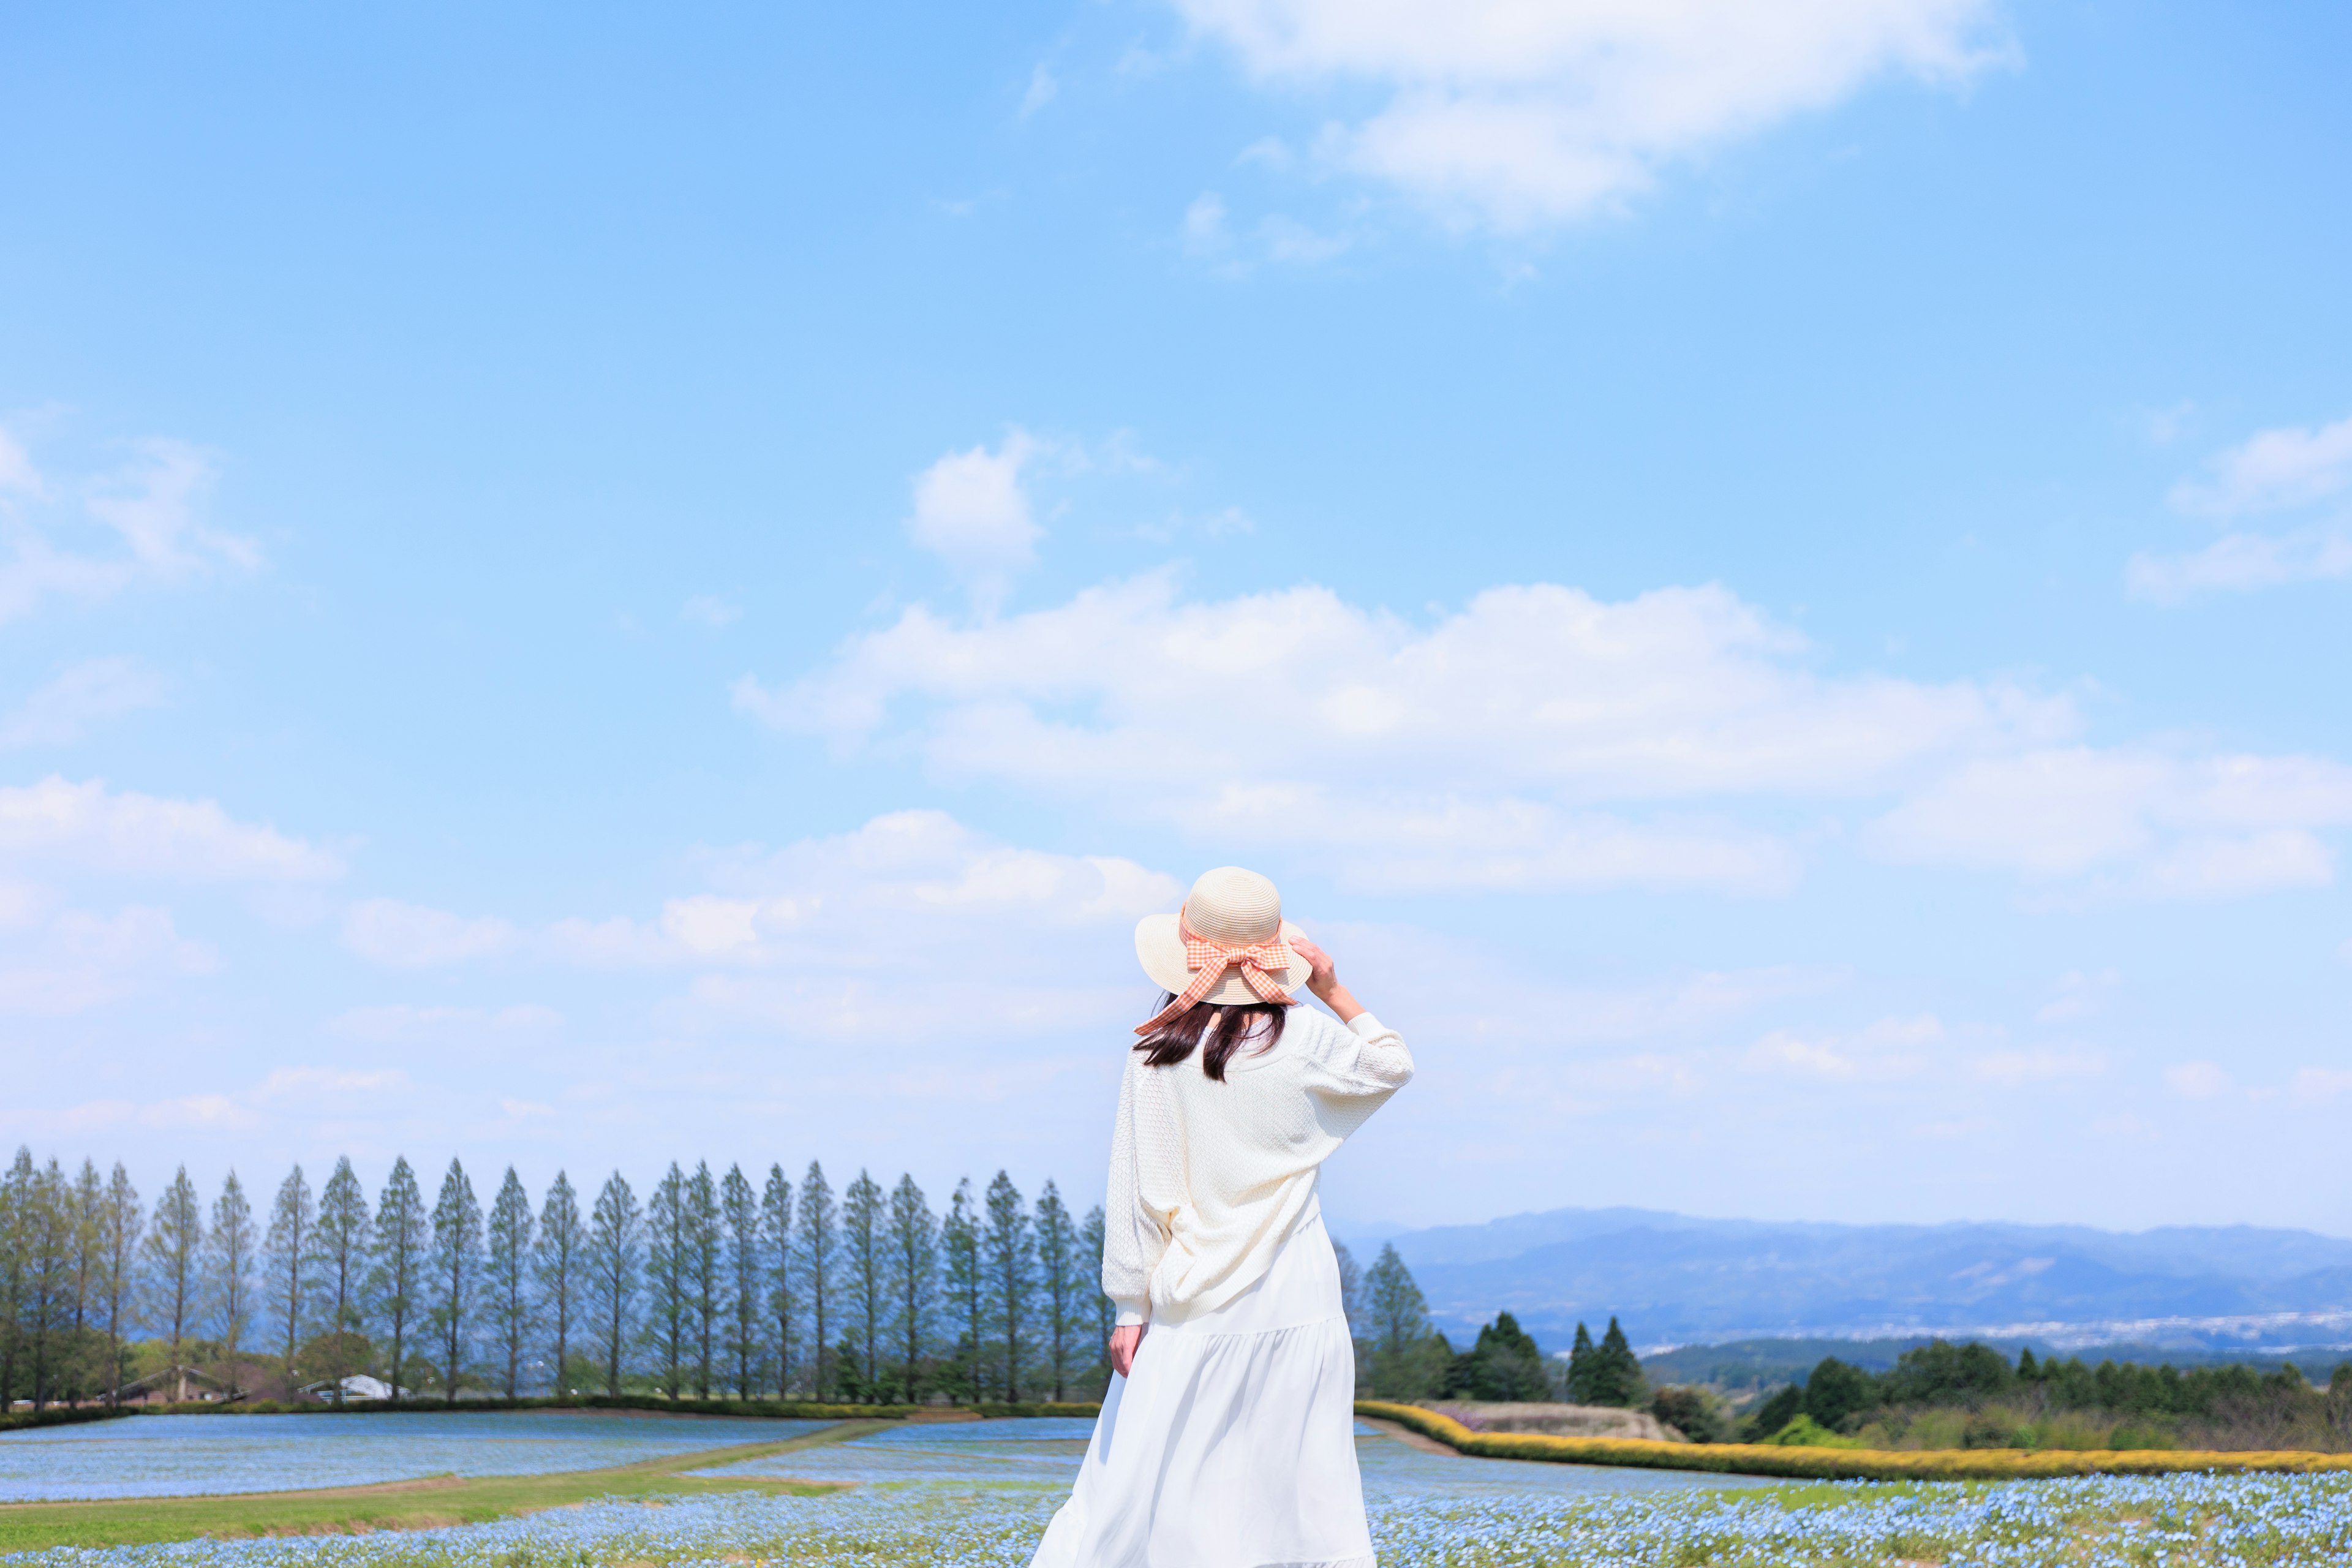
(1206, 1178)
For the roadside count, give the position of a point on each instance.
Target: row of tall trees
(707, 1284)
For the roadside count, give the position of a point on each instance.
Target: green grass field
(394, 1505)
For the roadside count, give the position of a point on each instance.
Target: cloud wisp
(907, 927)
(2294, 470)
(88, 539)
(1512, 117)
(89, 828)
(83, 696)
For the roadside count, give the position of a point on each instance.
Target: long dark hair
(1225, 1028)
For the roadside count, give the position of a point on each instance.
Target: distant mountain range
(1676, 1280)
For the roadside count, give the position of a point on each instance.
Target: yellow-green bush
(1838, 1464)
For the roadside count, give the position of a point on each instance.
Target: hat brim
(1160, 950)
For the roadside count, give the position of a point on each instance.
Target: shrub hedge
(56, 1416)
(1840, 1463)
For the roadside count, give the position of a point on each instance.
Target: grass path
(398, 1505)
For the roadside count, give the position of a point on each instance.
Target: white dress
(1232, 1443)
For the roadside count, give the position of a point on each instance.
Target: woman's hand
(1323, 979)
(1321, 973)
(1123, 1342)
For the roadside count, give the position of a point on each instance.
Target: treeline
(709, 1284)
(1401, 1355)
(1942, 1394)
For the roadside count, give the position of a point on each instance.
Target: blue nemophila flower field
(2261, 1521)
(191, 1455)
(979, 1498)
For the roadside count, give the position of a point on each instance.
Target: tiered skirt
(1232, 1443)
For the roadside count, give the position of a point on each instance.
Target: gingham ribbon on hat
(1258, 965)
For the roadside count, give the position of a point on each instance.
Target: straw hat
(1228, 908)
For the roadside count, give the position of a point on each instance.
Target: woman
(1227, 1439)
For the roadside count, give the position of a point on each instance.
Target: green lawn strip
(399, 1505)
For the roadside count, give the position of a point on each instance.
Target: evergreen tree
(867, 1252)
(46, 1235)
(1581, 1367)
(231, 1256)
(455, 1287)
(1008, 1246)
(966, 1279)
(16, 1201)
(1410, 1358)
(615, 1251)
(557, 1262)
(914, 1272)
(507, 1280)
(1057, 1251)
(747, 1272)
(285, 1253)
(344, 1265)
(1351, 1291)
(175, 1243)
(668, 1251)
(820, 1245)
(401, 1237)
(123, 1223)
(1616, 1376)
(1505, 1365)
(88, 1273)
(1105, 1310)
(703, 1246)
(776, 1231)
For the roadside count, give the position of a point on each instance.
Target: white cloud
(75, 961)
(17, 475)
(1513, 115)
(972, 510)
(2241, 563)
(2274, 470)
(149, 509)
(1476, 989)
(1275, 238)
(1890, 1048)
(1543, 739)
(1498, 747)
(1041, 91)
(400, 1024)
(88, 826)
(1204, 224)
(313, 1084)
(410, 936)
(2197, 1081)
(2165, 825)
(709, 610)
(2078, 995)
(82, 696)
(907, 927)
(2322, 1084)
(2010, 1069)
(151, 502)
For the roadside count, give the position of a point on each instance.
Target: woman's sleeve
(1356, 1077)
(1133, 1235)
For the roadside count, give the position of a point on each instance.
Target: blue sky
(590, 586)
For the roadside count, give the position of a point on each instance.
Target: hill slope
(1676, 1280)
